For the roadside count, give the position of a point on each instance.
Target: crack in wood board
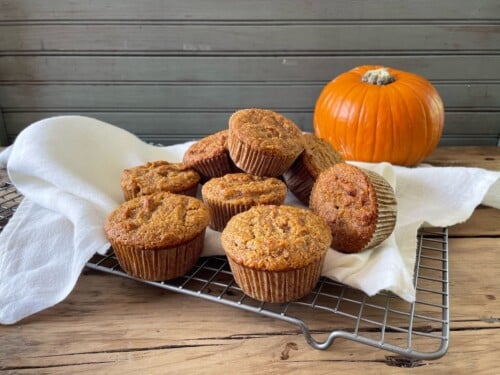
(128, 350)
(401, 361)
(12, 368)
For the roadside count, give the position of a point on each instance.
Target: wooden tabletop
(114, 325)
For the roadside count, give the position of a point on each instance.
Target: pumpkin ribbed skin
(400, 121)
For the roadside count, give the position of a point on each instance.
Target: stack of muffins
(276, 252)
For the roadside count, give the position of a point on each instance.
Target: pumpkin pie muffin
(276, 253)
(317, 156)
(209, 156)
(159, 176)
(158, 236)
(358, 205)
(262, 142)
(234, 193)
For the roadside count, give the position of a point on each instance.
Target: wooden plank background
(172, 71)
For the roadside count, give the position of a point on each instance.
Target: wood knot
(285, 354)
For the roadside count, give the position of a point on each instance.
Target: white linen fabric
(68, 169)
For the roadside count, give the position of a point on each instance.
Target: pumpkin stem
(380, 77)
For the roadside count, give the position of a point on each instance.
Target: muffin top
(243, 188)
(345, 198)
(159, 176)
(157, 221)
(318, 155)
(206, 148)
(276, 238)
(266, 131)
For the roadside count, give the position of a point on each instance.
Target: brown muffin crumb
(159, 176)
(157, 221)
(263, 142)
(276, 238)
(234, 193)
(359, 206)
(209, 156)
(317, 156)
(158, 236)
(244, 188)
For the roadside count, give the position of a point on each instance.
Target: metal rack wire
(417, 331)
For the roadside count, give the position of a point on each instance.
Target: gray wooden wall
(172, 71)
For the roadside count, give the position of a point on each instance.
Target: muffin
(209, 156)
(234, 193)
(276, 253)
(262, 142)
(317, 156)
(358, 205)
(158, 236)
(159, 176)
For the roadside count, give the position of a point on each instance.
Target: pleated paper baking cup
(386, 208)
(299, 181)
(222, 211)
(159, 264)
(255, 161)
(216, 166)
(277, 286)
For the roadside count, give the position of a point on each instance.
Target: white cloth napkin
(68, 168)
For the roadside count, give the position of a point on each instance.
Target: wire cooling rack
(415, 331)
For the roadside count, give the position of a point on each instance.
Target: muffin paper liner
(386, 208)
(299, 181)
(216, 166)
(221, 212)
(255, 161)
(277, 286)
(159, 264)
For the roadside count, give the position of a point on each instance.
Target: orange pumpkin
(376, 114)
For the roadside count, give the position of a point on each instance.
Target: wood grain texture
(208, 96)
(193, 10)
(4, 137)
(485, 222)
(256, 38)
(122, 325)
(236, 69)
(483, 157)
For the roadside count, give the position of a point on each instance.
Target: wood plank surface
(483, 157)
(209, 96)
(216, 56)
(4, 137)
(208, 38)
(121, 324)
(193, 10)
(285, 68)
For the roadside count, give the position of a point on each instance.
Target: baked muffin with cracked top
(156, 176)
(357, 204)
(317, 156)
(276, 253)
(233, 193)
(263, 142)
(158, 236)
(209, 156)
